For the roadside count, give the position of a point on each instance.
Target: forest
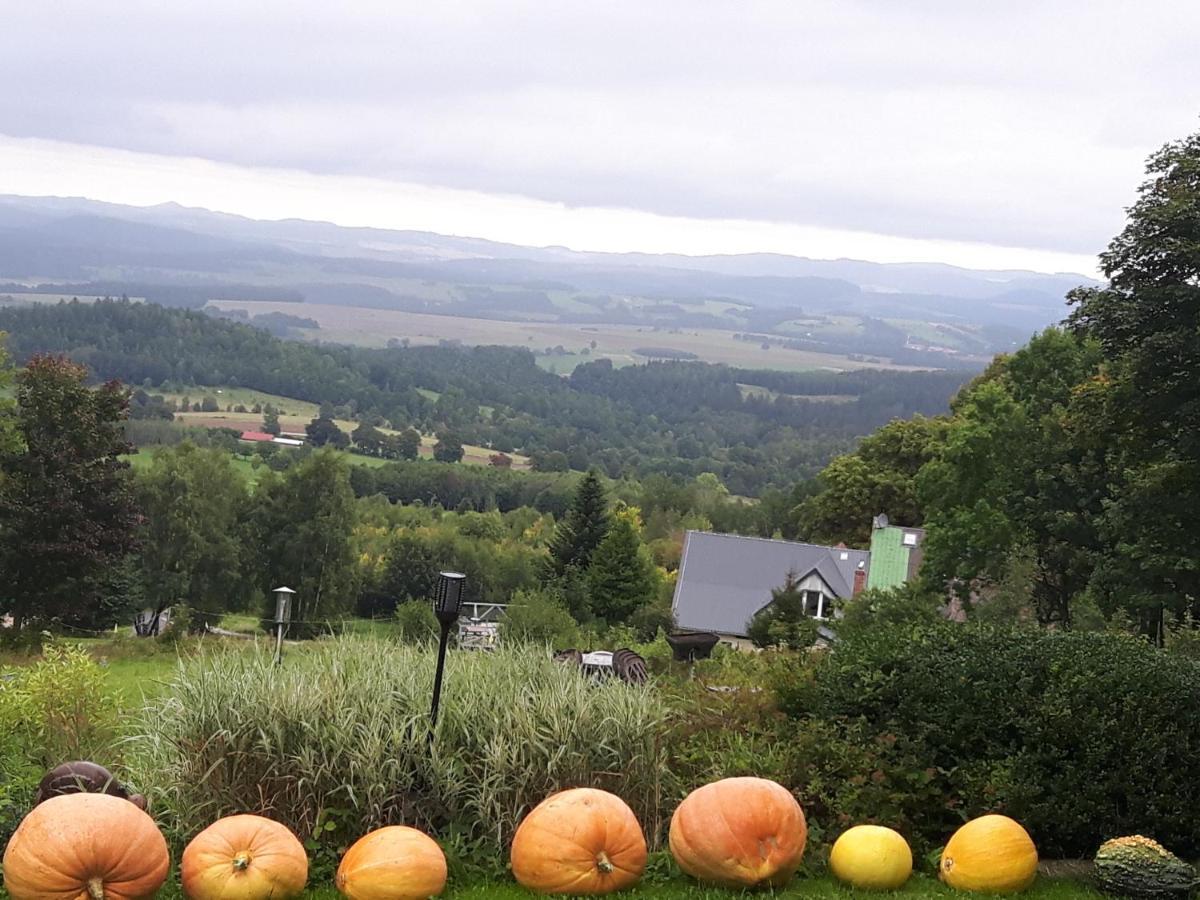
(671, 418)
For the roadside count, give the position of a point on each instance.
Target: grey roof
(724, 579)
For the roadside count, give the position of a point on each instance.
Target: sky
(1000, 135)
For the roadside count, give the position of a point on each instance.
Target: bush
(539, 617)
(1078, 736)
(51, 712)
(416, 623)
(339, 734)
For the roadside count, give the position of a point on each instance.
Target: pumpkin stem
(603, 863)
(241, 861)
(95, 888)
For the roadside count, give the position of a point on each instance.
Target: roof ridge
(754, 537)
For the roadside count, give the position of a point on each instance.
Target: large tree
(68, 517)
(1011, 480)
(194, 545)
(581, 529)
(1144, 407)
(878, 477)
(303, 526)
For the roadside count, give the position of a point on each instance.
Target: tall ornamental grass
(335, 741)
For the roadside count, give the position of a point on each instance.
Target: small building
(257, 437)
(724, 579)
(288, 442)
(896, 553)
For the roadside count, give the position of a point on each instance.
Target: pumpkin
(993, 854)
(82, 845)
(244, 858)
(393, 863)
(82, 776)
(871, 857)
(739, 832)
(580, 841)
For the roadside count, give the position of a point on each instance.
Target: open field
(375, 327)
(18, 299)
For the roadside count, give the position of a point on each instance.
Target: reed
(336, 740)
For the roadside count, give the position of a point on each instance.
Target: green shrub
(539, 617)
(53, 711)
(1078, 736)
(416, 623)
(339, 734)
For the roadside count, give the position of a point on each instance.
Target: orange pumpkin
(393, 863)
(739, 832)
(79, 846)
(581, 841)
(244, 858)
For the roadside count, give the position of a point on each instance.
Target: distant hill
(889, 313)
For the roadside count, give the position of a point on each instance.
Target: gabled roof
(725, 578)
(257, 436)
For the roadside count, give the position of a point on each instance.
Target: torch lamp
(447, 601)
(283, 615)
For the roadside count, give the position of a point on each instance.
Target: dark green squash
(1137, 866)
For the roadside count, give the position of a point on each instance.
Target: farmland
(376, 327)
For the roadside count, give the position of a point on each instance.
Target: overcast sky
(997, 134)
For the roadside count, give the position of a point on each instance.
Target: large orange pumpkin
(393, 863)
(79, 846)
(739, 832)
(581, 841)
(244, 858)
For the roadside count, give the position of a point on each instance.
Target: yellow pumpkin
(80, 846)
(581, 841)
(992, 854)
(244, 858)
(739, 832)
(393, 863)
(871, 857)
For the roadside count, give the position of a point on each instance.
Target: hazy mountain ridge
(191, 253)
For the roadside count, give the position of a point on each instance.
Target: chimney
(860, 580)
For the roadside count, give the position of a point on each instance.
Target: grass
(920, 886)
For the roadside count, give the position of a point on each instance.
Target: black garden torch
(447, 601)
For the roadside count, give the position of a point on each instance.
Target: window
(910, 539)
(812, 604)
(845, 555)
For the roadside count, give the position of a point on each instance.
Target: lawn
(682, 889)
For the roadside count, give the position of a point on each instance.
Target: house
(896, 553)
(257, 437)
(724, 579)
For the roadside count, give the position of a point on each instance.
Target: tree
(500, 461)
(581, 530)
(303, 526)
(193, 545)
(411, 570)
(782, 622)
(408, 443)
(448, 449)
(9, 435)
(271, 420)
(369, 439)
(1142, 411)
(322, 431)
(68, 518)
(878, 477)
(1012, 478)
(621, 577)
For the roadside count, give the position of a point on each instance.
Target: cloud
(1018, 124)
